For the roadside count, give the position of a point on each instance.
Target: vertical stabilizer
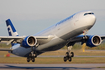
(11, 29)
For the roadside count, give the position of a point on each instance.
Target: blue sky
(32, 16)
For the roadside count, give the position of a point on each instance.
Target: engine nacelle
(94, 41)
(29, 41)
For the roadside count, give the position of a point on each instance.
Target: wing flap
(44, 39)
(10, 39)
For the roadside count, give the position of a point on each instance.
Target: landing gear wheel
(67, 53)
(31, 57)
(33, 60)
(33, 54)
(65, 59)
(28, 59)
(70, 59)
(72, 54)
(68, 56)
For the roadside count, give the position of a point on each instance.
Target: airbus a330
(66, 32)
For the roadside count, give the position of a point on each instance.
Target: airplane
(67, 32)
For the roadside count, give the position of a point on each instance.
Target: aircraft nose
(92, 19)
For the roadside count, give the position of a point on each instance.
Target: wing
(10, 39)
(102, 37)
(19, 39)
(90, 40)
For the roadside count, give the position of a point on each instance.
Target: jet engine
(93, 41)
(29, 41)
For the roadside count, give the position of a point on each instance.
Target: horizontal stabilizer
(4, 49)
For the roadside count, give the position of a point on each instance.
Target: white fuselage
(63, 31)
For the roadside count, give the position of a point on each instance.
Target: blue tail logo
(11, 29)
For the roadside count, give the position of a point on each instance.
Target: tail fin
(11, 29)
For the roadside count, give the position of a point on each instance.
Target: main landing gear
(32, 55)
(69, 55)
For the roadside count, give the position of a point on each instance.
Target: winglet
(11, 29)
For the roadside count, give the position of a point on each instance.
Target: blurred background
(32, 16)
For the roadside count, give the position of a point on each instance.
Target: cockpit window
(88, 13)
